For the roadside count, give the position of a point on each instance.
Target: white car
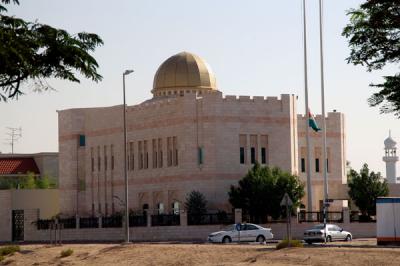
(247, 232)
(333, 232)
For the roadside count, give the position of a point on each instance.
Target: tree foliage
(260, 192)
(374, 40)
(28, 181)
(196, 203)
(33, 52)
(365, 187)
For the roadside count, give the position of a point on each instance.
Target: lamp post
(126, 72)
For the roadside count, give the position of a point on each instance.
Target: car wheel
(226, 239)
(348, 238)
(328, 239)
(260, 239)
(309, 242)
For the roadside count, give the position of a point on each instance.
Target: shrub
(66, 253)
(293, 243)
(9, 250)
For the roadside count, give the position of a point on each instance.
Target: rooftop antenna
(14, 134)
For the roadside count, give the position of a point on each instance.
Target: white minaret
(390, 159)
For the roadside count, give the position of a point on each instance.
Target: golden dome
(183, 72)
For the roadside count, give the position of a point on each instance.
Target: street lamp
(126, 72)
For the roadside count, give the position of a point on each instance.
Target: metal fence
(89, 222)
(165, 220)
(137, 220)
(44, 224)
(210, 218)
(355, 216)
(68, 223)
(318, 217)
(263, 219)
(111, 222)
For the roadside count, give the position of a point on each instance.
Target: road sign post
(238, 228)
(287, 201)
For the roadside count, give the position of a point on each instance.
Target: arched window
(160, 207)
(175, 207)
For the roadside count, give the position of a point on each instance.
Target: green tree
(45, 182)
(31, 51)
(365, 187)
(196, 203)
(374, 37)
(28, 181)
(260, 192)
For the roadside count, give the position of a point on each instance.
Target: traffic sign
(238, 227)
(286, 200)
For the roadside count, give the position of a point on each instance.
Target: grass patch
(66, 253)
(9, 250)
(1, 258)
(293, 243)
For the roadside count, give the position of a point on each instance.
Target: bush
(293, 243)
(66, 253)
(9, 250)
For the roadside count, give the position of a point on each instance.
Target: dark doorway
(18, 225)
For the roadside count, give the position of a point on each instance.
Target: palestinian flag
(312, 123)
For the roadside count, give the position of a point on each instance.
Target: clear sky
(254, 48)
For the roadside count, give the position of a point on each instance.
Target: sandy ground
(357, 253)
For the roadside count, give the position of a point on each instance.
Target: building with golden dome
(189, 136)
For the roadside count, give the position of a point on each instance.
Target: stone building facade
(187, 137)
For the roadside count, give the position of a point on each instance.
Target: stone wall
(183, 233)
(166, 233)
(5, 215)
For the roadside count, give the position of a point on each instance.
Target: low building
(19, 165)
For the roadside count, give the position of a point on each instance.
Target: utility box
(388, 221)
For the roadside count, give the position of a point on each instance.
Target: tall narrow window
(140, 143)
(242, 155)
(200, 155)
(146, 155)
(160, 153)
(105, 158)
(263, 155)
(169, 151)
(243, 148)
(317, 165)
(82, 141)
(264, 145)
(154, 152)
(112, 157)
(253, 149)
(327, 165)
(98, 159)
(303, 165)
(131, 158)
(253, 155)
(175, 150)
(92, 159)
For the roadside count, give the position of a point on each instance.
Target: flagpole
(323, 110)
(307, 116)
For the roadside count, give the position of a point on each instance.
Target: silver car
(241, 233)
(333, 232)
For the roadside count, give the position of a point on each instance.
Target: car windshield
(318, 226)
